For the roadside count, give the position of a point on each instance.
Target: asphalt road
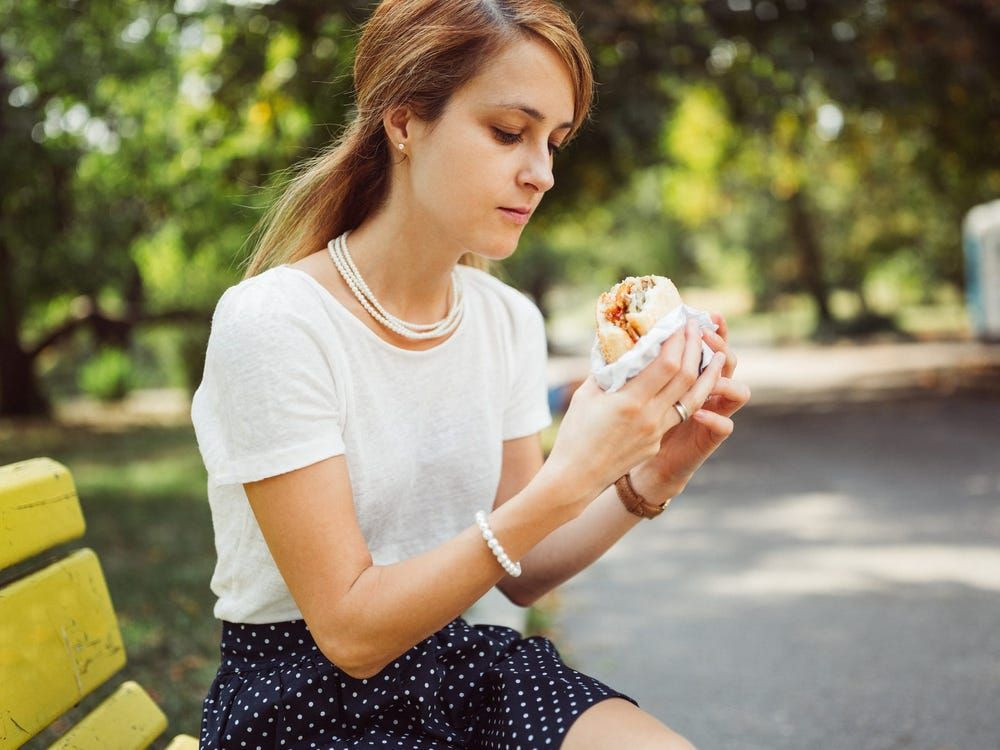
(829, 581)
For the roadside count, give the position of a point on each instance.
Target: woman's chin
(499, 248)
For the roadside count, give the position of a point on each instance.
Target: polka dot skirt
(482, 687)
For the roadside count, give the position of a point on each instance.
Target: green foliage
(140, 141)
(109, 375)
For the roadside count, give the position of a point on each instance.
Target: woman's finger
(720, 426)
(732, 389)
(692, 398)
(718, 344)
(661, 371)
(728, 397)
(720, 321)
(687, 375)
(692, 349)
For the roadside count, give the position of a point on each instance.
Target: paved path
(843, 372)
(828, 582)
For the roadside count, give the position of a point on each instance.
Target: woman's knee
(616, 723)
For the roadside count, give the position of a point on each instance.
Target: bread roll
(630, 309)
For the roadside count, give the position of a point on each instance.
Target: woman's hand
(684, 448)
(603, 435)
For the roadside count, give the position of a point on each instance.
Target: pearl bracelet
(513, 568)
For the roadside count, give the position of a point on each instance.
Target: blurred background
(805, 167)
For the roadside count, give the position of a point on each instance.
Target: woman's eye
(504, 137)
(509, 138)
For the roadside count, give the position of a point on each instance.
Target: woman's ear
(396, 122)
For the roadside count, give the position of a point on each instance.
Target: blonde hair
(414, 52)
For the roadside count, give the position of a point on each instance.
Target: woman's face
(478, 172)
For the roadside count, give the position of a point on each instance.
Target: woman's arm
(573, 546)
(362, 615)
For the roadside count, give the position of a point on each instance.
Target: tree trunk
(20, 394)
(866, 309)
(810, 258)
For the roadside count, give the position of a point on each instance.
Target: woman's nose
(538, 171)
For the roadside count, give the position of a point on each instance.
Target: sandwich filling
(629, 296)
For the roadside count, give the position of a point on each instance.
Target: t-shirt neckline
(372, 336)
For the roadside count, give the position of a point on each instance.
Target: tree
(922, 70)
(138, 142)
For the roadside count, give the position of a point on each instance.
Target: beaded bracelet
(513, 568)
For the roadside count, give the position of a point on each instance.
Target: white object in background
(981, 243)
(631, 363)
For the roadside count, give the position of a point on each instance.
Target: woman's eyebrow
(531, 112)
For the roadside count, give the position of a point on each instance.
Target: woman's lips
(516, 215)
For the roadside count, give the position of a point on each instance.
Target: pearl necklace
(337, 249)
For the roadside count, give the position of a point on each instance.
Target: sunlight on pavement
(839, 569)
(816, 515)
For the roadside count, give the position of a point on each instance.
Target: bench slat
(59, 640)
(183, 742)
(127, 720)
(38, 509)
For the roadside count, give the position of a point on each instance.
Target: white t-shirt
(292, 377)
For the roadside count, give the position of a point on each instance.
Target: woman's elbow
(352, 656)
(516, 595)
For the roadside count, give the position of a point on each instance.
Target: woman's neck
(408, 270)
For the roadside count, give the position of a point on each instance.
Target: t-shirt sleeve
(527, 409)
(269, 401)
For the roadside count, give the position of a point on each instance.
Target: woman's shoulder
(261, 305)
(271, 292)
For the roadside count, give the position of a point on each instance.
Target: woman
(368, 388)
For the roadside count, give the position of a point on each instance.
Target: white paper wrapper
(631, 363)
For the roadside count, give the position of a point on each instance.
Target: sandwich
(630, 309)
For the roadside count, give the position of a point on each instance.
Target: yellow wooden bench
(59, 636)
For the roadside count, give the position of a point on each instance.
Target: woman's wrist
(571, 489)
(648, 483)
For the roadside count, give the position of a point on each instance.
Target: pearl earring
(400, 146)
